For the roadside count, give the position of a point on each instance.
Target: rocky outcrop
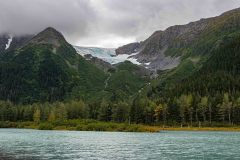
(99, 63)
(173, 37)
(128, 49)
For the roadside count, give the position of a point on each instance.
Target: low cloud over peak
(105, 23)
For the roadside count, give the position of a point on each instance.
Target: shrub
(81, 128)
(7, 124)
(45, 126)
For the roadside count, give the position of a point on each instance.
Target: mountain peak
(49, 36)
(50, 29)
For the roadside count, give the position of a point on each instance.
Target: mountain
(171, 48)
(47, 68)
(209, 52)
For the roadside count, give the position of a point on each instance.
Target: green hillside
(127, 79)
(220, 73)
(47, 69)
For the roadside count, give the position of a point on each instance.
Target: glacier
(106, 54)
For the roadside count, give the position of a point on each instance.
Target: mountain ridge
(170, 45)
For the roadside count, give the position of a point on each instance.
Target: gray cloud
(32, 16)
(107, 23)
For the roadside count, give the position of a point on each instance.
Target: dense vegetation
(80, 125)
(125, 80)
(74, 115)
(186, 110)
(36, 74)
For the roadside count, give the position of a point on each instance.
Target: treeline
(103, 111)
(186, 110)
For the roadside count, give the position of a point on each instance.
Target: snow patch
(9, 42)
(106, 54)
(147, 64)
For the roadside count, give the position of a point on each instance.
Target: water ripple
(33, 144)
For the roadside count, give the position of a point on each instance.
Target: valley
(183, 76)
(119, 80)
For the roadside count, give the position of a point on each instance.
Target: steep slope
(125, 80)
(219, 74)
(170, 48)
(47, 68)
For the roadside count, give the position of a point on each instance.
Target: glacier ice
(106, 54)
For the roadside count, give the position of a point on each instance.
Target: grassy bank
(230, 129)
(93, 125)
(81, 125)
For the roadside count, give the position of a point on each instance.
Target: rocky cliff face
(173, 37)
(154, 49)
(128, 49)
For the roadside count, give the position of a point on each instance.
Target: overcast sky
(105, 23)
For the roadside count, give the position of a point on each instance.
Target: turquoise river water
(70, 145)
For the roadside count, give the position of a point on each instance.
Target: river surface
(70, 145)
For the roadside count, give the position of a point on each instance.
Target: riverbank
(93, 125)
(229, 129)
(81, 125)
